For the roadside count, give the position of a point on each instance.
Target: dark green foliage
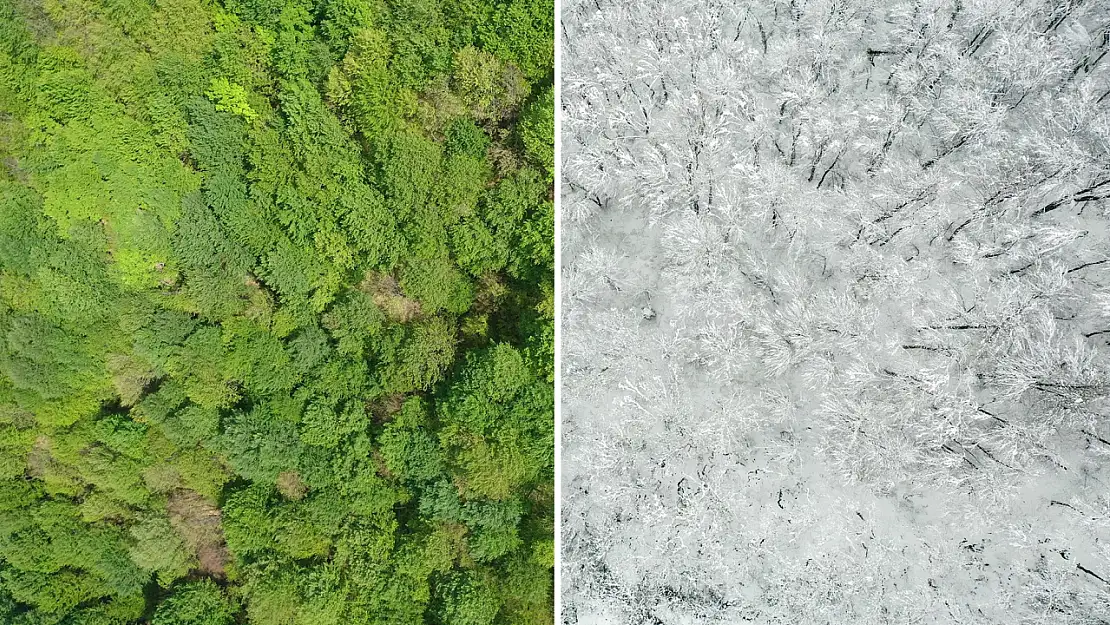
(466, 599)
(493, 527)
(440, 502)
(41, 357)
(24, 244)
(507, 230)
(273, 340)
(407, 168)
(262, 442)
(215, 266)
(465, 138)
(495, 423)
(409, 450)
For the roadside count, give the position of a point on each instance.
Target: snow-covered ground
(836, 312)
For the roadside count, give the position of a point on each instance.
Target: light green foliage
(325, 426)
(230, 97)
(195, 603)
(352, 321)
(269, 342)
(495, 425)
(160, 550)
(363, 86)
(525, 588)
(522, 32)
(490, 88)
(202, 366)
(537, 131)
(426, 351)
(438, 285)
(246, 523)
(258, 359)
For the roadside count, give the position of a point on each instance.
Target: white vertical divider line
(558, 88)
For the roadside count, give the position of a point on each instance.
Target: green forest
(276, 312)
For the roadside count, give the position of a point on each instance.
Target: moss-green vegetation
(276, 312)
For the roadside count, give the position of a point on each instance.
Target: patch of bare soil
(198, 522)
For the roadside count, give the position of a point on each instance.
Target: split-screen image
(535, 312)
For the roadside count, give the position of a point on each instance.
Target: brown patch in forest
(437, 106)
(491, 290)
(387, 295)
(37, 20)
(543, 495)
(130, 376)
(455, 533)
(20, 418)
(259, 299)
(379, 464)
(39, 458)
(462, 486)
(290, 484)
(197, 520)
(11, 164)
(505, 159)
(383, 408)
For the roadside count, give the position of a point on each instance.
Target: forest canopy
(276, 307)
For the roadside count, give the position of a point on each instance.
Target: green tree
(466, 599)
(423, 356)
(490, 88)
(195, 603)
(536, 130)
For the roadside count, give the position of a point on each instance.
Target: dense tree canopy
(276, 312)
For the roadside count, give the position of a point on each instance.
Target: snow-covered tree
(836, 326)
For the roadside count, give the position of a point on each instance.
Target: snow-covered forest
(836, 311)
